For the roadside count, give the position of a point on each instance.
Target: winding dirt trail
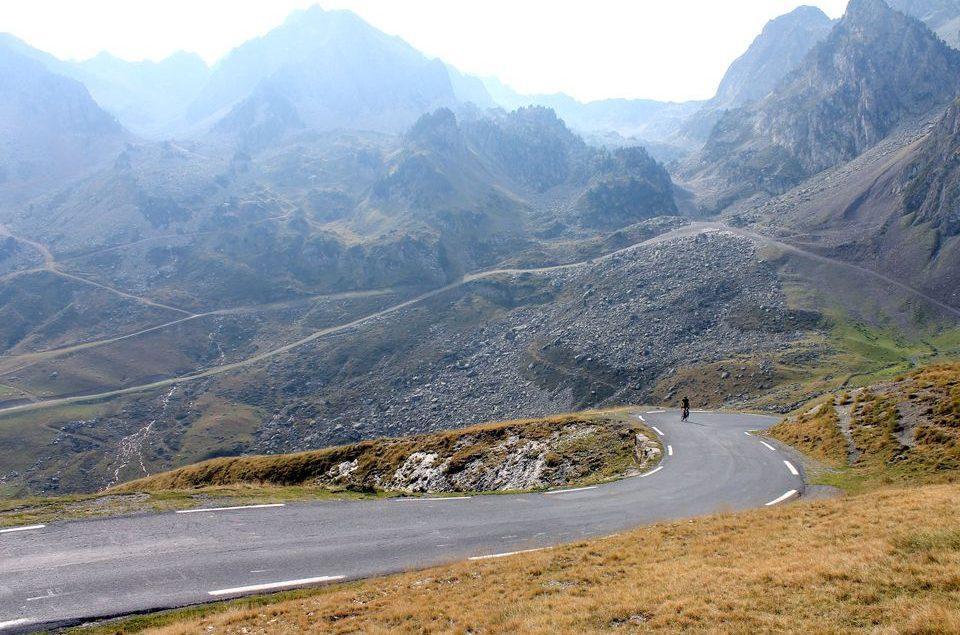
(50, 265)
(763, 239)
(29, 359)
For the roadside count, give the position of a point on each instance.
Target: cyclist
(685, 413)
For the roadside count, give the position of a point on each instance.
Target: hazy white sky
(591, 49)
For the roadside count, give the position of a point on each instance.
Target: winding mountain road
(71, 572)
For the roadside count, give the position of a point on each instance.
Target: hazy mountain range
(181, 95)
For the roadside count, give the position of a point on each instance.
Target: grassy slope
(853, 354)
(904, 431)
(600, 456)
(846, 353)
(817, 433)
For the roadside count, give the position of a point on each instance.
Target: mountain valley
(323, 333)
(251, 267)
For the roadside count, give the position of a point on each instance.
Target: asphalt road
(74, 571)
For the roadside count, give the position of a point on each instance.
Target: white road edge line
(792, 469)
(640, 417)
(782, 498)
(275, 585)
(12, 623)
(655, 412)
(10, 530)
(401, 499)
(506, 554)
(669, 450)
(769, 446)
(747, 432)
(227, 509)
(567, 491)
(657, 430)
(653, 471)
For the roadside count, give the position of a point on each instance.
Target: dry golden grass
(906, 430)
(815, 433)
(884, 562)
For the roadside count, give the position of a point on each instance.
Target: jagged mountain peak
(779, 48)
(334, 69)
(865, 9)
(870, 18)
(316, 16)
(876, 70)
(437, 130)
(804, 16)
(943, 16)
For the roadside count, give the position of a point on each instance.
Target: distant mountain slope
(933, 177)
(893, 210)
(647, 120)
(50, 127)
(877, 69)
(470, 89)
(943, 16)
(334, 69)
(147, 97)
(325, 212)
(674, 128)
(779, 49)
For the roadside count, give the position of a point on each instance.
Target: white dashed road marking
(275, 585)
(640, 417)
(434, 498)
(10, 530)
(782, 498)
(506, 554)
(226, 509)
(749, 434)
(657, 430)
(792, 469)
(655, 412)
(669, 450)
(50, 595)
(567, 491)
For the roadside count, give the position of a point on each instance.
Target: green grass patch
(933, 542)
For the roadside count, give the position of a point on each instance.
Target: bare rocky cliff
(877, 69)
